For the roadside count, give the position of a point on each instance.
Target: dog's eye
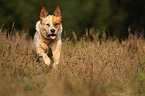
(55, 24)
(47, 24)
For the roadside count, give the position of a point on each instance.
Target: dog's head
(50, 25)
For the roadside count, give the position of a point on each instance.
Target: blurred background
(112, 16)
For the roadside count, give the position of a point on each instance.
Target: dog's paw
(47, 61)
(55, 66)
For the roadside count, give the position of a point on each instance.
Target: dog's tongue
(52, 37)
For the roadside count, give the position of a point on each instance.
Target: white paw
(55, 65)
(47, 61)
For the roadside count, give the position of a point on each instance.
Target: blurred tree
(112, 16)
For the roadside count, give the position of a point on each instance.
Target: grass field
(87, 68)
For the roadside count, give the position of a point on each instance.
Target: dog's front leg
(56, 53)
(44, 56)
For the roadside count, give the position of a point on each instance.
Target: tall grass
(87, 68)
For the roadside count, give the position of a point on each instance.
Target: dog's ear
(57, 12)
(43, 13)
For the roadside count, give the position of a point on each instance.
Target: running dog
(48, 36)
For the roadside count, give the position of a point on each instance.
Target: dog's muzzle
(51, 36)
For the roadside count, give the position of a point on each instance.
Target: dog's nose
(52, 30)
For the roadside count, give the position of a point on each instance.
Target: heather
(98, 67)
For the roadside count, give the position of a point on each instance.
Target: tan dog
(48, 36)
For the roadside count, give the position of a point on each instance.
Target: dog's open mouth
(52, 36)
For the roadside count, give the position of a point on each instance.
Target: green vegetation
(87, 68)
(111, 16)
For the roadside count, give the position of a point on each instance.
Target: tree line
(112, 16)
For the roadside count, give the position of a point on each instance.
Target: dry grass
(109, 68)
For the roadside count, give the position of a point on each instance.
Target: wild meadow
(101, 67)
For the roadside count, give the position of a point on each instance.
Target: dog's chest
(46, 44)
